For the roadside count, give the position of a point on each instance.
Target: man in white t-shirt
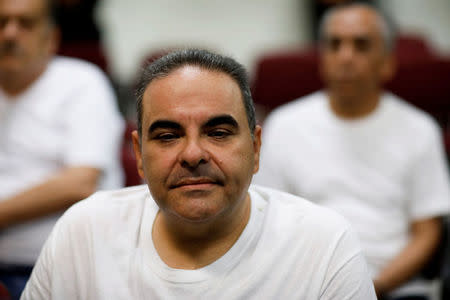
(60, 134)
(197, 230)
(367, 154)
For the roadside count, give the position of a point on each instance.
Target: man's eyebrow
(163, 124)
(221, 120)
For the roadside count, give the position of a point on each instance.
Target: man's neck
(180, 249)
(13, 84)
(354, 108)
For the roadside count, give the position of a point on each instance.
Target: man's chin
(10, 66)
(198, 215)
(198, 211)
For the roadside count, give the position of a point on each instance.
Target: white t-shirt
(68, 117)
(381, 172)
(102, 248)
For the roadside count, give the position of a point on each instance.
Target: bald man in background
(364, 152)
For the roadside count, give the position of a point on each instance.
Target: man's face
(26, 36)
(196, 154)
(354, 60)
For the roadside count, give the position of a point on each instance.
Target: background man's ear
(388, 69)
(137, 153)
(54, 40)
(257, 147)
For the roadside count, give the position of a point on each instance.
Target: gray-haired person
(197, 229)
(363, 152)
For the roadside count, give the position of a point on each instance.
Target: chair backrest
(128, 159)
(284, 76)
(91, 51)
(422, 79)
(411, 47)
(445, 264)
(426, 84)
(4, 293)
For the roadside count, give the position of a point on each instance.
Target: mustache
(198, 176)
(10, 48)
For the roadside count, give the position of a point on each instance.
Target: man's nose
(10, 29)
(346, 52)
(193, 153)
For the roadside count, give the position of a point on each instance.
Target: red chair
(412, 48)
(91, 51)
(128, 159)
(284, 76)
(422, 79)
(426, 84)
(4, 294)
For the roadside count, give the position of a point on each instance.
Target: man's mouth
(194, 182)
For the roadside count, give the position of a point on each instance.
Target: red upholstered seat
(91, 51)
(284, 76)
(426, 84)
(128, 159)
(422, 79)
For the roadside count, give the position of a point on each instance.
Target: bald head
(354, 11)
(356, 57)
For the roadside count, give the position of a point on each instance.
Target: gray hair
(384, 22)
(167, 64)
(52, 13)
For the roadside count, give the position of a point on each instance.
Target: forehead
(22, 7)
(192, 93)
(353, 22)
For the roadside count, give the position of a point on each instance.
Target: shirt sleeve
(429, 180)
(93, 123)
(63, 269)
(348, 275)
(39, 285)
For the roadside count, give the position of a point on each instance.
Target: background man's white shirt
(68, 117)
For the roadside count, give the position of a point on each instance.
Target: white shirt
(67, 117)
(102, 248)
(381, 172)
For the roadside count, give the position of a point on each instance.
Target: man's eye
(219, 133)
(166, 137)
(333, 44)
(3, 22)
(28, 23)
(362, 45)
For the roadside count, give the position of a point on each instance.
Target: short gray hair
(167, 64)
(384, 22)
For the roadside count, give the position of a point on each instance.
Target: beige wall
(430, 18)
(241, 28)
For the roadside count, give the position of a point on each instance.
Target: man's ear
(54, 40)
(388, 68)
(257, 147)
(137, 152)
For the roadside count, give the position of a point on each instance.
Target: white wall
(241, 28)
(430, 18)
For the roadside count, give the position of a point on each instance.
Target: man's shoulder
(292, 210)
(309, 106)
(411, 118)
(108, 205)
(62, 68)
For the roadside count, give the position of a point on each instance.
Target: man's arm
(425, 236)
(57, 193)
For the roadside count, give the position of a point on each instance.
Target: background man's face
(26, 37)
(353, 53)
(197, 154)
